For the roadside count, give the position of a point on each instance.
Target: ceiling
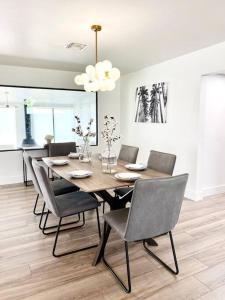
(136, 33)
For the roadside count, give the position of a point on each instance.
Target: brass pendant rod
(96, 28)
(96, 46)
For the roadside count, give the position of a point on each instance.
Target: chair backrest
(155, 207)
(28, 161)
(46, 189)
(161, 162)
(61, 149)
(128, 153)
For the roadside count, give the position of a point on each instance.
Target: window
(55, 121)
(63, 124)
(34, 113)
(41, 123)
(7, 127)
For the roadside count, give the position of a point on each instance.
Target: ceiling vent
(77, 46)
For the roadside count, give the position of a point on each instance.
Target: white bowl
(59, 162)
(127, 176)
(73, 155)
(136, 167)
(80, 173)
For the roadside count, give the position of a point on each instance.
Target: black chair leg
(127, 288)
(44, 228)
(103, 207)
(73, 251)
(35, 207)
(98, 222)
(42, 214)
(56, 238)
(176, 271)
(128, 268)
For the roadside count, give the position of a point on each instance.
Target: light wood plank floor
(29, 271)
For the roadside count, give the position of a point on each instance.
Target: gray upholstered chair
(161, 162)
(63, 206)
(155, 209)
(61, 149)
(128, 153)
(59, 187)
(158, 161)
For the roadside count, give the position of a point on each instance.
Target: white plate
(136, 167)
(80, 173)
(127, 176)
(73, 155)
(59, 162)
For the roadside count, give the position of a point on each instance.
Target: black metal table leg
(101, 247)
(151, 242)
(114, 204)
(24, 173)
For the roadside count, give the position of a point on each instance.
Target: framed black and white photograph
(151, 103)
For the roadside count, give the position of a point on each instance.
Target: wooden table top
(99, 180)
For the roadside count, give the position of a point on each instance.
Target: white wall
(212, 139)
(181, 134)
(11, 162)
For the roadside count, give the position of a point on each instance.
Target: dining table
(99, 183)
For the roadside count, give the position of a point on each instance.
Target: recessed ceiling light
(77, 46)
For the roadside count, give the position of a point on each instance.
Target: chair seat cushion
(62, 186)
(76, 202)
(117, 219)
(123, 191)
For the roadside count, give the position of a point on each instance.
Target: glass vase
(85, 152)
(109, 160)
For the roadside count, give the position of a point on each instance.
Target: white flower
(85, 133)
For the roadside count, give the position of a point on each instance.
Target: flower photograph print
(151, 103)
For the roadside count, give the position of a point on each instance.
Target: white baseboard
(210, 191)
(206, 192)
(10, 180)
(194, 196)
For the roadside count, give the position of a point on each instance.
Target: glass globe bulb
(109, 85)
(78, 80)
(99, 67)
(87, 87)
(94, 86)
(107, 65)
(90, 70)
(114, 74)
(101, 85)
(84, 78)
(100, 74)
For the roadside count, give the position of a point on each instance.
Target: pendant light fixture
(102, 76)
(7, 104)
